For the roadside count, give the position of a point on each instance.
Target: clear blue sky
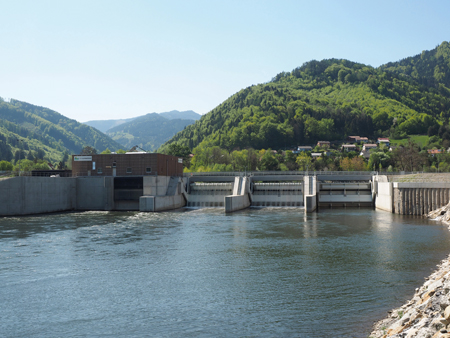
(95, 60)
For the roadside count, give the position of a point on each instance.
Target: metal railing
(17, 173)
(272, 173)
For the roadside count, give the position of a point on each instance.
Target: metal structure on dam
(280, 189)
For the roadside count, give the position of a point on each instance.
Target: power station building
(129, 164)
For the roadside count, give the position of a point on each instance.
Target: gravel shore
(427, 314)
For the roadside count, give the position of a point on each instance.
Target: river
(268, 272)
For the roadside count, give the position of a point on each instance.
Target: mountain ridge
(148, 131)
(38, 131)
(105, 125)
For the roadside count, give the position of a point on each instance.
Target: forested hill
(149, 131)
(329, 100)
(429, 68)
(38, 132)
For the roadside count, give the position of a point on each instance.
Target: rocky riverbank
(427, 314)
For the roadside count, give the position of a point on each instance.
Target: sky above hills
(94, 60)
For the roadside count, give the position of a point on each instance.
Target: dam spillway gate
(280, 189)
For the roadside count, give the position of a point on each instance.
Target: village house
(383, 140)
(369, 146)
(323, 143)
(302, 148)
(357, 139)
(349, 147)
(434, 152)
(366, 150)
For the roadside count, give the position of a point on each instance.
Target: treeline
(406, 157)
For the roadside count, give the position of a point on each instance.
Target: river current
(200, 273)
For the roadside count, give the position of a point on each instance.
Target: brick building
(130, 164)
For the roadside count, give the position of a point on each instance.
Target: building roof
(370, 145)
(348, 146)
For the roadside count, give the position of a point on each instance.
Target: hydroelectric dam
(231, 191)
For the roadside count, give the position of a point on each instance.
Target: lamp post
(20, 170)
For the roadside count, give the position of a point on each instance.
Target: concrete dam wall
(35, 195)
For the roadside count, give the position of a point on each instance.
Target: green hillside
(29, 131)
(429, 68)
(148, 131)
(330, 100)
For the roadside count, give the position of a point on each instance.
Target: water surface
(200, 273)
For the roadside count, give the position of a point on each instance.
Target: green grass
(421, 140)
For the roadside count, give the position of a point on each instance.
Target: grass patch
(421, 140)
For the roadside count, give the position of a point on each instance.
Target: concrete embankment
(427, 314)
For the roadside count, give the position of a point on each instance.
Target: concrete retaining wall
(235, 203)
(36, 195)
(156, 185)
(161, 203)
(310, 203)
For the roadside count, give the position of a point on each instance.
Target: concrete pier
(310, 193)
(240, 198)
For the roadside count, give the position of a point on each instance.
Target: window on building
(99, 171)
(128, 170)
(114, 164)
(148, 170)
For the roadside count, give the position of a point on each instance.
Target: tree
(88, 150)
(5, 166)
(106, 151)
(379, 159)
(304, 162)
(179, 150)
(30, 156)
(268, 161)
(408, 157)
(290, 158)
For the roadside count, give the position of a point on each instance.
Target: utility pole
(20, 170)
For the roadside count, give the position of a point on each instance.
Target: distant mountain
(148, 131)
(105, 125)
(37, 132)
(330, 100)
(182, 115)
